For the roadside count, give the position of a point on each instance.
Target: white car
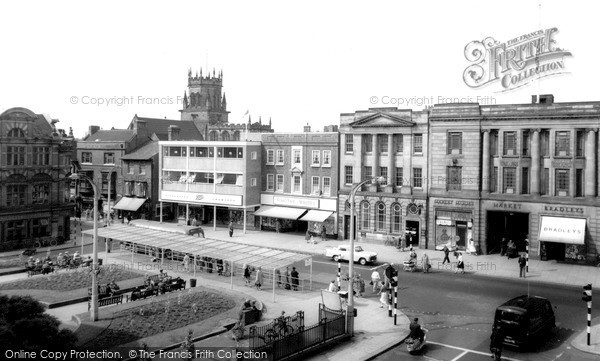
(342, 252)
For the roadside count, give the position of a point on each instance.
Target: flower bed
(154, 317)
(70, 280)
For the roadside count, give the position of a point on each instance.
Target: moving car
(342, 252)
(524, 319)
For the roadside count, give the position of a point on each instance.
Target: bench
(107, 301)
(103, 291)
(141, 292)
(156, 278)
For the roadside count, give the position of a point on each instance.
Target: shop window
(580, 144)
(508, 179)
(454, 178)
(562, 182)
(348, 175)
(380, 224)
(364, 215)
(525, 180)
(170, 176)
(227, 179)
(201, 177)
(367, 143)
(270, 182)
(418, 143)
(561, 144)
(382, 143)
(399, 176)
(455, 143)
(398, 142)
(396, 218)
(40, 227)
(579, 182)
(279, 183)
(128, 190)
(510, 143)
(141, 189)
(417, 177)
(349, 143)
(326, 186)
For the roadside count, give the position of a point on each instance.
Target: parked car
(525, 319)
(343, 253)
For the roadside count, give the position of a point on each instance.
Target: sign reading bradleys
(547, 208)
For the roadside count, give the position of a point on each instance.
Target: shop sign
(559, 163)
(509, 163)
(451, 202)
(296, 202)
(506, 205)
(563, 209)
(201, 198)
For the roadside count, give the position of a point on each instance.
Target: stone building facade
(393, 143)
(534, 168)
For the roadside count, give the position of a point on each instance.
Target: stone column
(376, 156)
(590, 164)
(485, 168)
(407, 155)
(391, 164)
(535, 162)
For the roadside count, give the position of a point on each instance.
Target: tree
(25, 326)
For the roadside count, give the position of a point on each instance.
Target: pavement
(374, 329)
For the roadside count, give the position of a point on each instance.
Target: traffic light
(587, 293)
(394, 281)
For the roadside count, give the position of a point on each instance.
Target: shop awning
(314, 215)
(129, 204)
(279, 212)
(562, 230)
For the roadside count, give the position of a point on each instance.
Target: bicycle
(45, 242)
(279, 330)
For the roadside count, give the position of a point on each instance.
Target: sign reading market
(516, 62)
(201, 198)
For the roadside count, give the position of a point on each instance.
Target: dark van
(524, 319)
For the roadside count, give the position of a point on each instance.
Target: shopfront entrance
(412, 233)
(510, 225)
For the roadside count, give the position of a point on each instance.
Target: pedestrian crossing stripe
(466, 350)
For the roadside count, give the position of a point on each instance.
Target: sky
(100, 63)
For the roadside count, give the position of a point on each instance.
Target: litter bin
(192, 282)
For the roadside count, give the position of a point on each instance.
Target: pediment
(382, 120)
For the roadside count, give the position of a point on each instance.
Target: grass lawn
(144, 319)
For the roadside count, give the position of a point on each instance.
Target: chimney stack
(174, 132)
(533, 99)
(307, 128)
(93, 129)
(547, 99)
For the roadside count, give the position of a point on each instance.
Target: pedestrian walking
(128, 217)
(278, 277)
(460, 267)
(258, 281)
(323, 232)
(446, 254)
(503, 245)
(522, 263)
(231, 228)
(375, 278)
(247, 275)
(425, 262)
(402, 243)
(356, 285)
(287, 278)
(384, 297)
(390, 272)
(496, 341)
(186, 263)
(295, 279)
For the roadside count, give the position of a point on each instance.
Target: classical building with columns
(387, 142)
(519, 172)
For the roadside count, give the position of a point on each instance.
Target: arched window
(16, 133)
(396, 218)
(364, 215)
(212, 136)
(380, 221)
(225, 136)
(236, 135)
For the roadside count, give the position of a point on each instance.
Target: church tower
(203, 102)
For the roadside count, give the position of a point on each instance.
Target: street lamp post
(109, 190)
(94, 301)
(374, 180)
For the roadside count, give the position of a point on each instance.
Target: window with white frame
(367, 143)
(326, 186)
(41, 155)
(348, 175)
(316, 158)
(315, 185)
(398, 143)
(562, 144)
(562, 182)
(253, 155)
(417, 177)
(364, 215)
(418, 143)
(279, 183)
(509, 175)
(15, 155)
(380, 222)
(270, 182)
(297, 182)
(86, 157)
(326, 158)
(252, 182)
(396, 218)
(109, 158)
(349, 143)
(297, 156)
(510, 143)
(270, 156)
(129, 168)
(279, 158)
(142, 169)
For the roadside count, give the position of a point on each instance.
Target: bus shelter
(164, 244)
